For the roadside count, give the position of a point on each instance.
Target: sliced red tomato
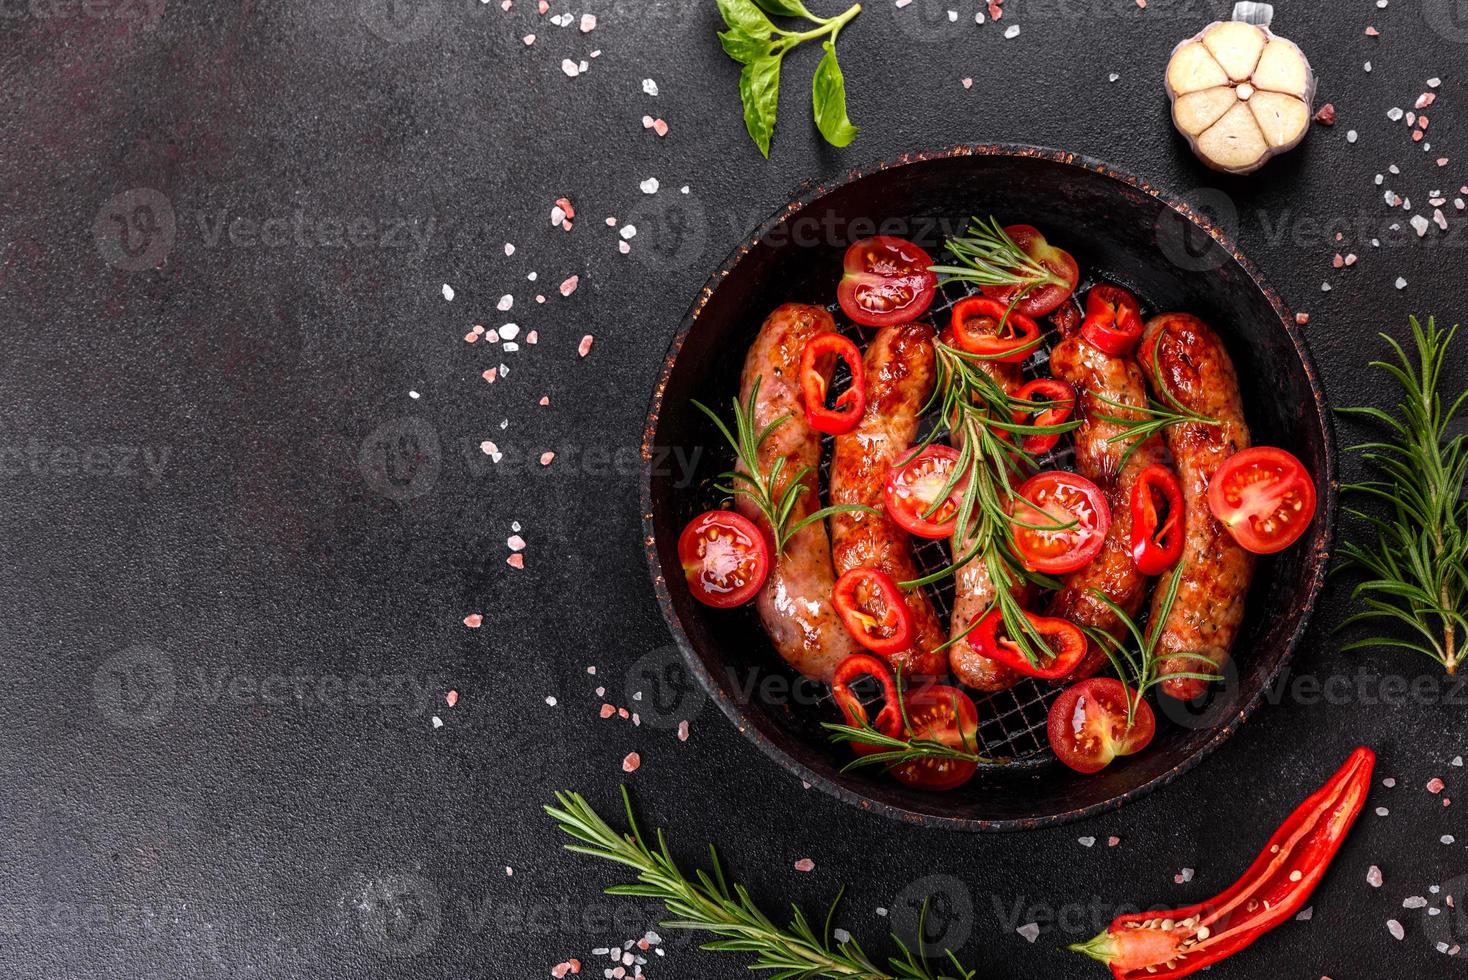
(886, 282)
(1113, 320)
(873, 609)
(939, 713)
(725, 558)
(1065, 641)
(1054, 498)
(1156, 538)
(1045, 390)
(993, 331)
(1265, 497)
(1046, 294)
(851, 403)
(912, 493)
(889, 719)
(1087, 724)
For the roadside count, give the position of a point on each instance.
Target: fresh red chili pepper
(888, 630)
(850, 404)
(1156, 543)
(889, 719)
(1113, 319)
(1168, 945)
(993, 331)
(1065, 640)
(1045, 390)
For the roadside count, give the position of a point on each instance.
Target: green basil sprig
(758, 44)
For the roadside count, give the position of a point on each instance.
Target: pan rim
(1317, 563)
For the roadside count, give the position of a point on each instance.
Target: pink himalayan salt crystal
(533, 337)
(473, 621)
(632, 763)
(516, 560)
(451, 698)
(607, 711)
(660, 127)
(490, 374)
(804, 865)
(683, 731)
(968, 83)
(1434, 785)
(569, 286)
(544, 400)
(584, 347)
(561, 969)
(546, 458)
(566, 207)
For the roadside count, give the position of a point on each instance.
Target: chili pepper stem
(1101, 947)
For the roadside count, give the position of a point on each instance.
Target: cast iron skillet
(1117, 226)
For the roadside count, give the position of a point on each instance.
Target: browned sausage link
(1216, 572)
(973, 589)
(795, 604)
(899, 365)
(1096, 374)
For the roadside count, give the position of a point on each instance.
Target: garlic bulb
(1240, 94)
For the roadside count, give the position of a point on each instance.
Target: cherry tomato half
(940, 713)
(912, 491)
(1113, 320)
(1052, 498)
(1045, 390)
(851, 403)
(993, 331)
(873, 610)
(1156, 540)
(889, 719)
(886, 282)
(1087, 724)
(1066, 642)
(725, 558)
(1265, 497)
(1046, 294)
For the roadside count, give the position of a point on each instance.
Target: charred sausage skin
(795, 603)
(1193, 366)
(1096, 374)
(899, 365)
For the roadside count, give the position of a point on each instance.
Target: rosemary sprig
(1417, 573)
(896, 750)
(987, 256)
(707, 902)
(978, 409)
(1149, 420)
(1139, 670)
(775, 501)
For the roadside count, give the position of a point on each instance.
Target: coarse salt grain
(474, 621)
(569, 285)
(649, 186)
(546, 458)
(968, 83)
(805, 865)
(584, 347)
(550, 700)
(683, 731)
(588, 23)
(516, 543)
(1395, 928)
(516, 561)
(1434, 785)
(570, 68)
(448, 292)
(491, 450)
(1086, 841)
(1012, 31)
(632, 762)
(437, 722)
(1302, 318)
(1030, 931)
(1373, 876)
(1401, 283)
(649, 86)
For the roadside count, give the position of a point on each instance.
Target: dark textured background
(216, 593)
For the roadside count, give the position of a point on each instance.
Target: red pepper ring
(1113, 320)
(1066, 642)
(887, 632)
(992, 331)
(889, 719)
(850, 404)
(1168, 945)
(1156, 543)
(1045, 390)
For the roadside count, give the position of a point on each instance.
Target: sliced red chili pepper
(1066, 642)
(1168, 945)
(1156, 542)
(993, 331)
(889, 719)
(1113, 319)
(1045, 390)
(886, 630)
(851, 403)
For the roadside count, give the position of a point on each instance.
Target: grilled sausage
(899, 365)
(1095, 374)
(973, 589)
(795, 603)
(1196, 370)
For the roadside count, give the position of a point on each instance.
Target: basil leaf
(759, 90)
(828, 98)
(743, 48)
(743, 16)
(786, 8)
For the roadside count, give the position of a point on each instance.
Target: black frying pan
(1119, 228)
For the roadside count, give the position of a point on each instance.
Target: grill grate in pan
(1011, 723)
